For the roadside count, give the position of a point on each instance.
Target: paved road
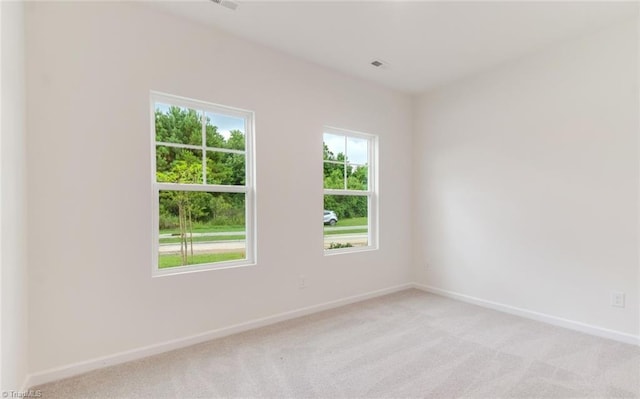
(239, 245)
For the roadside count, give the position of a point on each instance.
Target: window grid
(202, 186)
(371, 191)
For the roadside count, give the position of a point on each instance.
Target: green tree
(179, 125)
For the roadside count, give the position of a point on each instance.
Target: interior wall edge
(537, 316)
(70, 370)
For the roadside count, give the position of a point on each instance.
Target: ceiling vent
(232, 5)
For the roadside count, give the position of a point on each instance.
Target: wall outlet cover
(617, 299)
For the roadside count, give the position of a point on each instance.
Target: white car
(330, 217)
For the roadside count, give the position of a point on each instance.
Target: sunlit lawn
(347, 231)
(359, 226)
(173, 260)
(176, 240)
(207, 229)
(353, 222)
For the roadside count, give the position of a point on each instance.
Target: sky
(225, 123)
(356, 149)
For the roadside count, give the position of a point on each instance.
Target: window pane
(333, 147)
(357, 177)
(224, 131)
(357, 150)
(178, 125)
(346, 221)
(200, 227)
(334, 175)
(225, 168)
(178, 165)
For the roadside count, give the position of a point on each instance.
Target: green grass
(207, 229)
(347, 231)
(353, 222)
(203, 239)
(165, 261)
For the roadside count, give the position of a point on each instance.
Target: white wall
(90, 70)
(527, 182)
(14, 333)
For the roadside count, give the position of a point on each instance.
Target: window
(203, 188)
(350, 192)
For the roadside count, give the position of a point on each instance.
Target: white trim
(373, 182)
(356, 193)
(157, 96)
(341, 251)
(203, 139)
(250, 200)
(334, 162)
(179, 145)
(209, 188)
(73, 369)
(155, 206)
(542, 317)
(200, 147)
(338, 131)
(203, 267)
(638, 149)
(2, 266)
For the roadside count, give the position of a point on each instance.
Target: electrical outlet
(303, 282)
(617, 299)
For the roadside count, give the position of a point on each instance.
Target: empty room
(164, 165)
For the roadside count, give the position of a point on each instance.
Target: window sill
(341, 251)
(205, 267)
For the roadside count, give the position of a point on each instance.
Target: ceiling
(424, 44)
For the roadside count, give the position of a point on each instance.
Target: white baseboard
(529, 314)
(70, 370)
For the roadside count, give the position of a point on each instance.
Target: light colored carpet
(408, 344)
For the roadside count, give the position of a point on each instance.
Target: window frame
(248, 189)
(371, 193)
